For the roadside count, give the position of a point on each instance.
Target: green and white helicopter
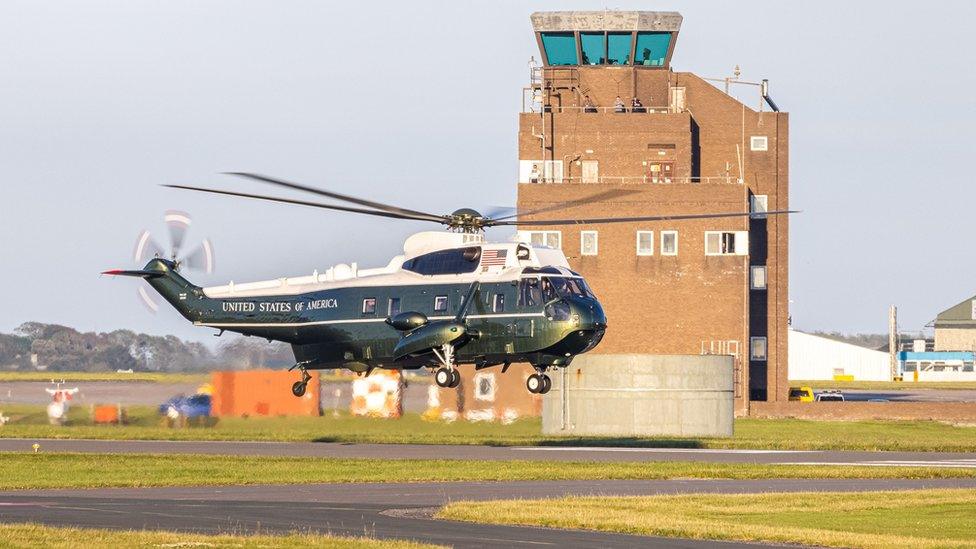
(451, 298)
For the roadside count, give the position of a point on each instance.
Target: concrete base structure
(641, 395)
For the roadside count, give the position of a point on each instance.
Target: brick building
(677, 287)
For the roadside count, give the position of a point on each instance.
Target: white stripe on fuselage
(344, 321)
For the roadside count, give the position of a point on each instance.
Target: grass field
(920, 518)
(885, 385)
(34, 535)
(31, 422)
(27, 470)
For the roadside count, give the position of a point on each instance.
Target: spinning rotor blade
(606, 195)
(147, 247)
(345, 198)
(201, 258)
(147, 299)
(178, 223)
(425, 217)
(598, 220)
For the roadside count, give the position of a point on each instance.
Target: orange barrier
(262, 393)
(107, 413)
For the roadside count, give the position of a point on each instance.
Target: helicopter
(451, 298)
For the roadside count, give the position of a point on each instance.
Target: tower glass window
(594, 46)
(652, 48)
(560, 48)
(618, 48)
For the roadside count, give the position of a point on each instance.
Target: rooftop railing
(637, 180)
(536, 108)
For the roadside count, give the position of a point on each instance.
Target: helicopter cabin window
(669, 242)
(369, 306)
(726, 242)
(645, 242)
(530, 292)
(498, 303)
(440, 304)
(539, 239)
(394, 306)
(588, 242)
(455, 261)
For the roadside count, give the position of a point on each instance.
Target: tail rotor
(199, 259)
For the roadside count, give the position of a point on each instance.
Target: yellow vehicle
(801, 394)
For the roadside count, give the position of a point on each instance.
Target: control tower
(606, 111)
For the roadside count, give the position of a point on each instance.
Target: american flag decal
(493, 258)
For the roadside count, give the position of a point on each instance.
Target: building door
(591, 171)
(660, 172)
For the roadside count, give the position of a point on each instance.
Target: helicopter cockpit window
(557, 286)
(456, 261)
(530, 292)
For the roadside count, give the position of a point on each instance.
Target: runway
(495, 453)
(397, 510)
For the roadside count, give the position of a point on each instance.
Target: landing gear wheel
(444, 377)
(298, 389)
(534, 384)
(546, 384)
(455, 379)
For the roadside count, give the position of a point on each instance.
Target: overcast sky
(101, 102)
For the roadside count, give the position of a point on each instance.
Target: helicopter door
(529, 300)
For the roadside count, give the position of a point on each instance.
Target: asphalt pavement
(493, 453)
(395, 510)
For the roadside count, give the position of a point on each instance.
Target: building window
(758, 143)
(726, 243)
(591, 171)
(759, 204)
(618, 48)
(560, 48)
(543, 239)
(393, 308)
(594, 48)
(498, 303)
(645, 242)
(540, 171)
(757, 277)
(669, 242)
(588, 242)
(369, 306)
(757, 348)
(652, 48)
(484, 386)
(440, 304)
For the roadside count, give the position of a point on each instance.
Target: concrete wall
(815, 357)
(641, 395)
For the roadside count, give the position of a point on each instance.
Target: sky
(102, 102)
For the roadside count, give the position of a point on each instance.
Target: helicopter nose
(589, 314)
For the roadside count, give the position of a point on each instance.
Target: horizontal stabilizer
(142, 273)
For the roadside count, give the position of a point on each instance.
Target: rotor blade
(201, 258)
(178, 223)
(146, 248)
(147, 300)
(606, 195)
(312, 204)
(337, 196)
(597, 220)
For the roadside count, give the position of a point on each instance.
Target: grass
(916, 518)
(30, 421)
(27, 470)
(35, 535)
(71, 377)
(884, 385)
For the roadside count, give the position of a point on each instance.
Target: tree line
(36, 345)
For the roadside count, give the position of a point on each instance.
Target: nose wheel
(538, 384)
(447, 378)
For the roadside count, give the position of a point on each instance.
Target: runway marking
(660, 450)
